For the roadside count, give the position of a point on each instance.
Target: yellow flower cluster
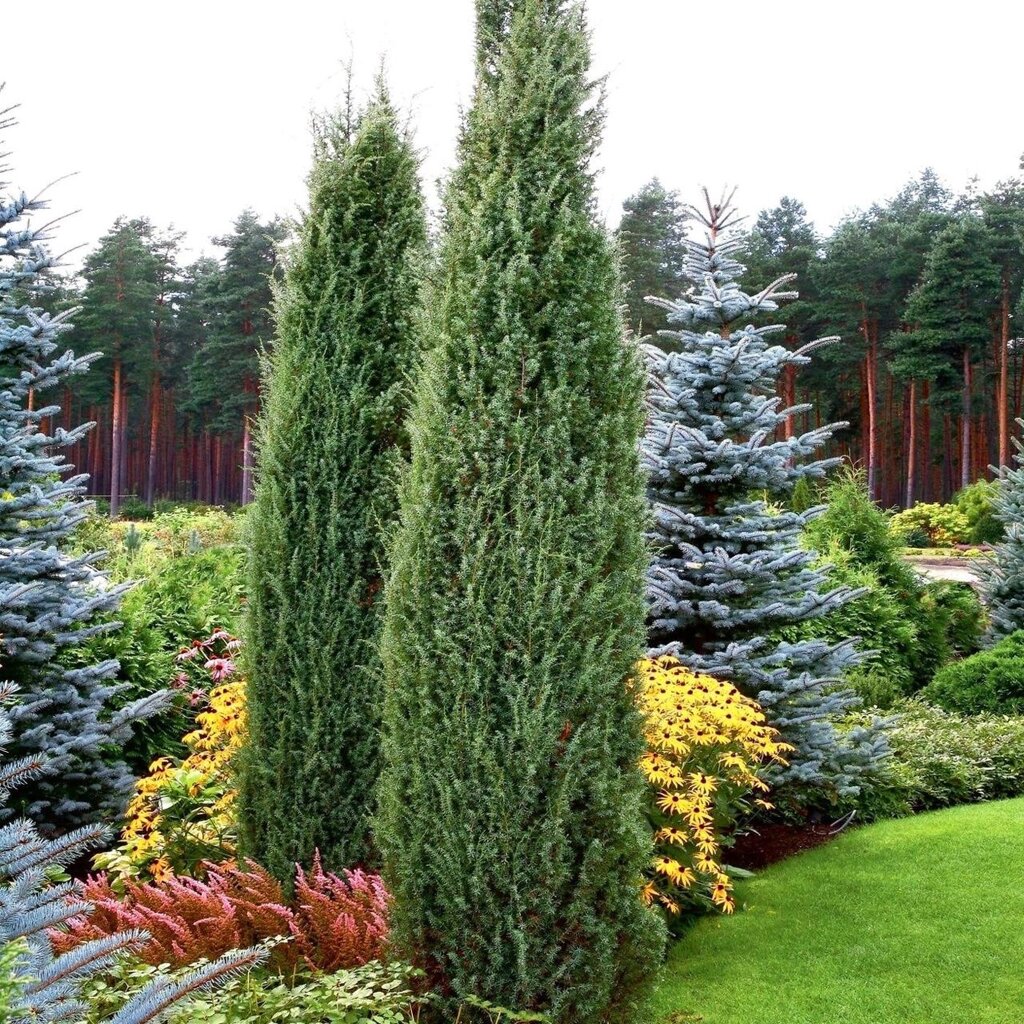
(707, 745)
(183, 812)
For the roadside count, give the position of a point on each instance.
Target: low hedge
(940, 759)
(990, 681)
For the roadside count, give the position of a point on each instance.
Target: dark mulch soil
(769, 843)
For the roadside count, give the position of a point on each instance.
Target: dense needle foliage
(325, 491)
(729, 571)
(511, 800)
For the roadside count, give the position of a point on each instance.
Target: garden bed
(770, 843)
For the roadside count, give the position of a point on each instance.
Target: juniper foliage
(511, 800)
(325, 495)
(50, 601)
(47, 988)
(729, 570)
(1003, 574)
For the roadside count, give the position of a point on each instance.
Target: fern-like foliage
(31, 905)
(333, 922)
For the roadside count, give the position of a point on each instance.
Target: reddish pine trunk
(789, 391)
(912, 446)
(949, 454)
(154, 437)
(965, 424)
(208, 469)
(115, 444)
(126, 479)
(1002, 402)
(247, 460)
(218, 448)
(871, 380)
(926, 431)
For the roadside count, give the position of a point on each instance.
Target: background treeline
(176, 391)
(924, 290)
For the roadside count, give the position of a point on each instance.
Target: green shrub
(911, 628)
(990, 681)
(805, 495)
(976, 503)
(187, 528)
(940, 758)
(854, 522)
(957, 615)
(132, 507)
(943, 525)
(331, 433)
(879, 619)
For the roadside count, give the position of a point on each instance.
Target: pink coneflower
(220, 668)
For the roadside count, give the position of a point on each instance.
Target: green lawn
(917, 921)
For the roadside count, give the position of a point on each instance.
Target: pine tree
(651, 252)
(224, 375)
(325, 496)
(511, 800)
(952, 308)
(119, 306)
(1003, 212)
(1003, 574)
(729, 571)
(49, 600)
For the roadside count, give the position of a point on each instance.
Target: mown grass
(915, 921)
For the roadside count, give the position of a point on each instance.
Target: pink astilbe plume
(344, 920)
(333, 922)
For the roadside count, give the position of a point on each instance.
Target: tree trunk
(871, 380)
(247, 459)
(115, 444)
(126, 480)
(218, 470)
(789, 392)
(965, 424)
(912, 446)
(926, 430)
(1002, 401)
(154, 438)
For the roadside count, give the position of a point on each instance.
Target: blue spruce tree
(729, 571)
(1003, 574)
(48, 988)
(49, 600)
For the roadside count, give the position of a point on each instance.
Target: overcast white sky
(187, 112)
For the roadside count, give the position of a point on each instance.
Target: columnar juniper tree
(48, 598)
(325, 494)
(729, 570)
(511, 801)
(1003, 575)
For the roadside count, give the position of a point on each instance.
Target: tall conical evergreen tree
(511, 803)
(50, 600)
(332, 419)
(729, 571)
